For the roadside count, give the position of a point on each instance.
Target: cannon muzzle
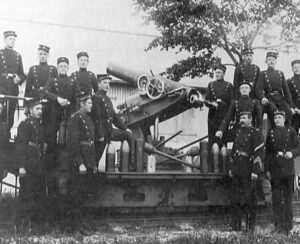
(138, 79)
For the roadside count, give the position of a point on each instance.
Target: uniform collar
(101, 92)
(244, 97)
(82, 69)
(62, 76)
(220, 80)
(43, 64)
(271, 68)
(7, 48)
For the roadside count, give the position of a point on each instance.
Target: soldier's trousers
(282, 192)
(243, 189)
(276, 104)
(116, 135)
(11, 113)
(296, 122)
(213, 126)
(32, 198)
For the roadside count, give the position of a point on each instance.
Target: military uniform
(87, 81)
(66, 88)
(30, 146)
(219, 91)
(279, 141)
(4, 142)
(104, 117)
(244, 103)
(248, 72)
(248, 145)
(272, 85)
(294, 85)
(80, 146)
(10, 65)
(37, 77)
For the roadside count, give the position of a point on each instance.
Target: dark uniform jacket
(294, 85)
(279, 141)
(64, 87)
(244, 103)
(37, 77)
(10, 64)
(222, 92)
(104, 115)
(247, 72)
(87, 81)
(272, 84)
(80, 140)
(30, 142)
(248, 144)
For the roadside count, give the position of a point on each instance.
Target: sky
(28, 20)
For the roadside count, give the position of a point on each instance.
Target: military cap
(101, 77)
(44, 48)
(244, 82)
(9, 33)
(271, 54)
(62, 59)
(247, 51)
(241, 113)
(80, 54)
(296, 61)
(33, 102)
(279, 112)
(221, 67)
(83, 96)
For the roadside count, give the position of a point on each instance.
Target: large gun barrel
(138, 79)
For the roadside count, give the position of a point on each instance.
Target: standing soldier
(80, 145)
(31, 146)
(62, 92)
(273, 91)
(86, 79)
(247, 155)
(245, 71)
(218, 97)
(39, 74)
(282, 147)
(104, 117)
(244, 103)
(294, 85)
(11, 72)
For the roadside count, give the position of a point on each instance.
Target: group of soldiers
(77, 118)
(236, 115)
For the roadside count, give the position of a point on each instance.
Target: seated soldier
(104, 117)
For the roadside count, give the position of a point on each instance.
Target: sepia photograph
(150, 121)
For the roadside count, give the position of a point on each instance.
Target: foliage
(200, 27)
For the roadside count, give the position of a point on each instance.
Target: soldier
(86, 79)
(30, 147)
(282, 146)
(294, 85)
(244, 103)
(218, 97)
(273, 91)
(39, 74)
(11, 72)
(62, 92)
(80, 145)
(104, 116)
(247, 155)
(246, 71)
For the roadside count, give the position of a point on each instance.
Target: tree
(200, 27)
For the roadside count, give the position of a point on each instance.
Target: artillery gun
(182, 180)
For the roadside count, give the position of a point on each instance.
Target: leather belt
(240, 153)
(34, 144)
(87, 143)
(8, 75)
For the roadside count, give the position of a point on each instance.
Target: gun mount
(158, 97)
